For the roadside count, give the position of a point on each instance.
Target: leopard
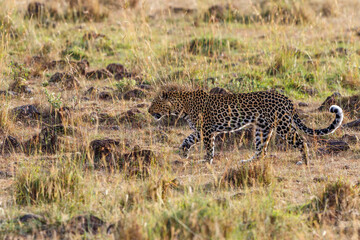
(209, 114)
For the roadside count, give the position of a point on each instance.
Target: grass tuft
(286, 12)
(253, 174)
(336, 202)
(35, 185)
(210, 46)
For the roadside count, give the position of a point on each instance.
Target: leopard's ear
(163, 96)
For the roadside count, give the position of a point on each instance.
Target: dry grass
(139, 187)
(258, 173)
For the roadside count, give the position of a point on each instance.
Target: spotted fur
(210, 114)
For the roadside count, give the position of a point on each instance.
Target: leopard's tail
(339, 115)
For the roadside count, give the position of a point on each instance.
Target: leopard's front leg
(188, 143)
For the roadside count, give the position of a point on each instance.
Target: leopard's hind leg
(291, 136)
(262, 138)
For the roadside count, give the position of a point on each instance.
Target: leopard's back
(233, 111)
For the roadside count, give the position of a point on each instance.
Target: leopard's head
(165, 104)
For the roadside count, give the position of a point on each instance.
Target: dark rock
(79, 67)
(105, 96)
(10, 145)
(350, 105)
(116, 68)
(216, 13)
(182, 10)
(221, 13)
(46, 142)
(119, 76)
(122, 75)
(98, 74)
(71, 83)
(109, 153)
(333, 146)
(340, 51)
(82, 66)
(20, 86)
(37, 60)
(35, 9)
(137, 162)
(302, 104)
(91, 91)
(218, 90)
(133, 117)
(100, 118)
(58, 77)
(30, 217)
(350, 139)
(26, 112)
(60, 64)
(60, 115)
(354, 124)
(105, 148)
(134, 94)
(84, 224)
(145, 86)
(141, 105)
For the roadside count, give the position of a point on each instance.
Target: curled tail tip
(336, 109)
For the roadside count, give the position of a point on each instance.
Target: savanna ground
(57, 182)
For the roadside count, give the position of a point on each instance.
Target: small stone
(141, 105)
(302, 104)
(299, 163)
